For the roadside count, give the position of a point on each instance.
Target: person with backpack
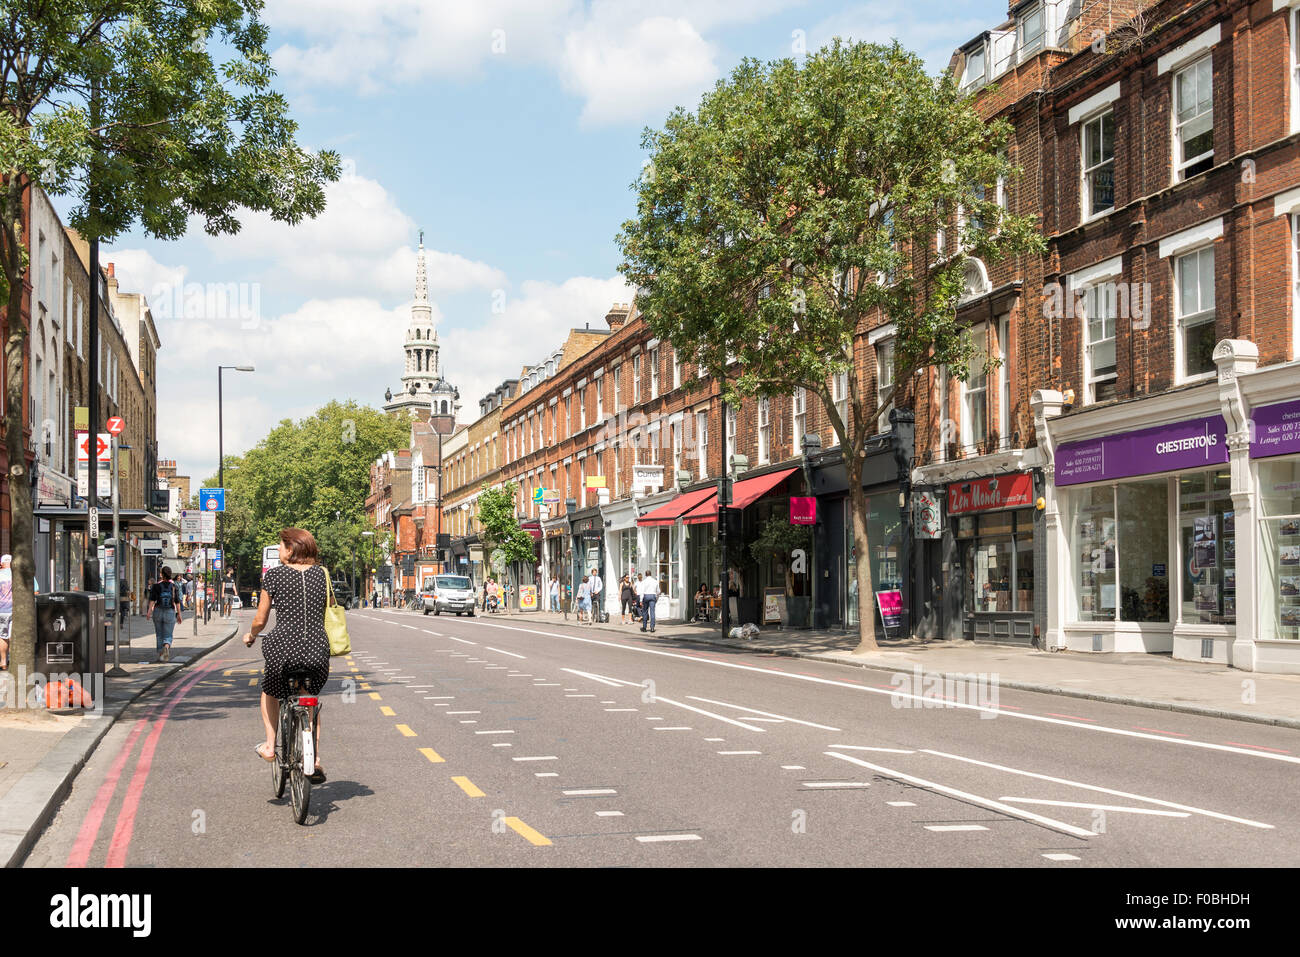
(165, 610)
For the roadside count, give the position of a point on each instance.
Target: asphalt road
(502, 742)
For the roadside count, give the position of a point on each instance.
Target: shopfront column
(1047, 404)
(1234, 358)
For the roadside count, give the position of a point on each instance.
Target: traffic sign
(102, 447)
(212, 499)
(116, 424)
(198, 527)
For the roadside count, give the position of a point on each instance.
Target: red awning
(743, 493)
(669, 512)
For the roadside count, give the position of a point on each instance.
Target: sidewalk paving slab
(42, 756)
(1143, 680)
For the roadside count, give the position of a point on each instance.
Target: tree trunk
(862, 563)
(22, 638)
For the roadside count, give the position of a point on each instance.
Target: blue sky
(509, 130)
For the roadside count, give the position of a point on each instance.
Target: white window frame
(676, 427)
(968, 80)
(970, 438)
(840, 397)
(702, 442)
(677, 369)
(1180, 323)
(729, 434)
(1030, 45)
(1086, 211)
(764, 431)
(1004, 381)
(618, 387)
(884, 379)
(636, 379)
(943, 411)
(799, 415)
(600, 399)
(1178, 164)
(652, 357)
(1087, 297)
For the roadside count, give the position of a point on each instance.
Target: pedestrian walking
(166, 612)
(555, 594)
(649, 599)
(298, 589)
(627, 600)
(597, 593)
(584, 600)
(228, 592)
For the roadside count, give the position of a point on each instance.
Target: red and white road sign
(116, 424)
(102, 448)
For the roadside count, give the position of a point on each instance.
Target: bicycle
(295, 745)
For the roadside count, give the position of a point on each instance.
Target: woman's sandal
(317, 776)
(263, 754)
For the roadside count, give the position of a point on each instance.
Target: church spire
(421, 274)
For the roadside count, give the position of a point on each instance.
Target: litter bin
(70, 637)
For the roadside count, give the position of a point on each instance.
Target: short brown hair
(301, 545)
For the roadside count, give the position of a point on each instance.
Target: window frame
(1180, 167)
(799, 415)
(883, 347)
(1180, 324)
(1086, 193)
(1090, 377)
(1026, 50)
(969, 438)
(840, 398)
(764, 430)
(702, 441)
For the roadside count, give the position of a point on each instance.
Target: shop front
(588, 546)
(992, 521)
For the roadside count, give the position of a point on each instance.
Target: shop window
(1194, 119)
(998, 561)
(1092, 521)
(1279, 565)
(1194, 292)
(1207, 539)
(1099, 165)
(1121, 552)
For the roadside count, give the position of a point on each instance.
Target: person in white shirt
(596, 586)
(649, 591)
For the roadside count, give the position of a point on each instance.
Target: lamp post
(370, 553)
(811, 445)
(221, 480)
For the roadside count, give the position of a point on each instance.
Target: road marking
(793, 767)
(527, 833)
(900, 804)
(894, 694)
(621, 709)
(440, 697)
(546, 774)
(1060, 857)
(1073, 717)
(767, 714)
(1259, 747)
(463, 641)
(715, 740)
(423, 686)
(503, 744)
(835, 784)
(544, 757)
(252, 682)
(494, 732)
(662, 728)
(740, 752)
(387, 712)
(547, 684)
(580, 696)
(652, 718)
(468, 787)
(428, 632)
(519, 675)
(442, 704)
(412, 627)
(464, 712)
(955, 827)
(657, 838)
(966, 795)
(613, 682)
(620, 682)
(1098, 807)
(580, 792)
(609, 702)
(862, 747)
(406, 730)
(1102, 790)
(609, 814)
(365, 686)
(432, 755)
(497, 668)
(500, 652)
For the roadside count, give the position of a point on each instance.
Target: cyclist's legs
(270, 717)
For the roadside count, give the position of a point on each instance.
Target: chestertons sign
(986, 494)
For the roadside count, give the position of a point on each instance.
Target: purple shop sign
(1165, 448)
(1275, 429)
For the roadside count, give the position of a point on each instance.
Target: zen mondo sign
(986, 494)
(1166, 448)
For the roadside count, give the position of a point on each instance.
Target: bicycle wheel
(279, 772)
(299, 782)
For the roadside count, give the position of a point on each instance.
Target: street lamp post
(221, 481)
(370, 553)
(812, 444)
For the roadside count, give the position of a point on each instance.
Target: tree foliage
(799, 201)
(496, 515)
(312, 474)
(154, 112)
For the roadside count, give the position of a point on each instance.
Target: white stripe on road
(862, 747)
(1060, 857)
(897, 695)
(463, 641)
(621, 682)
(965, 795)
(955, 827)
(900, 804)
(792, 767)
(500, 652)
(609, 814)
(622, 709)
(836, 784)
(434, 633)
(662, 728)
(494, 732)
(586, 791)
(580, 696)
(546, 757)
(1102, 790)
(503, 744)
(656, 838)
(603, 680)
(546, 774)
(464, 712)
(1098, 807)
(767, 714)
(740, 752)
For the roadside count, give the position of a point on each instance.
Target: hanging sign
(803, 510)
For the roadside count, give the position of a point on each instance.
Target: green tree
(168, 134)
(312, 474)
(797, 202)
(496, 515)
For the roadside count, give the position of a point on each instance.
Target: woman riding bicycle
(297, 589)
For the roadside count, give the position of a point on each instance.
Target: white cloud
(637, 72)
(138, 272)
(532, 325)
(934, 38)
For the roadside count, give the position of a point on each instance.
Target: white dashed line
(651, 718)
(500, 652)
(955, 827)
(463, 641)
(860, 747)
(544, 757)
(546, 774)
(1060, 857)
(609, 814)
(662, 728)
(793, 767)
(836, 784)
(1099, 807)
(621, 709)
(468, 721)
(585, 791)
(715, 740)
(503, 744)
(740, 752)
(494, 732)
(657, 838)
(464, 712)
(900, 804)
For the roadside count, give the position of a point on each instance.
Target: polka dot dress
(298, 639)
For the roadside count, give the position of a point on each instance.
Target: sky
(509, 131)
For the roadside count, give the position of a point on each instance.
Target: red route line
(85, 841)
(1257, 747)
(130, 805)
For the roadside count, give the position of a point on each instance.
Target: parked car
(342, 592)
(450, 593)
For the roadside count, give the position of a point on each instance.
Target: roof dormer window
(1031, 27)
(974, 73)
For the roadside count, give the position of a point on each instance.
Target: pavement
(1144, 680)
(41, 754)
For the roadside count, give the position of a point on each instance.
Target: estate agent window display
(1279, 565)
